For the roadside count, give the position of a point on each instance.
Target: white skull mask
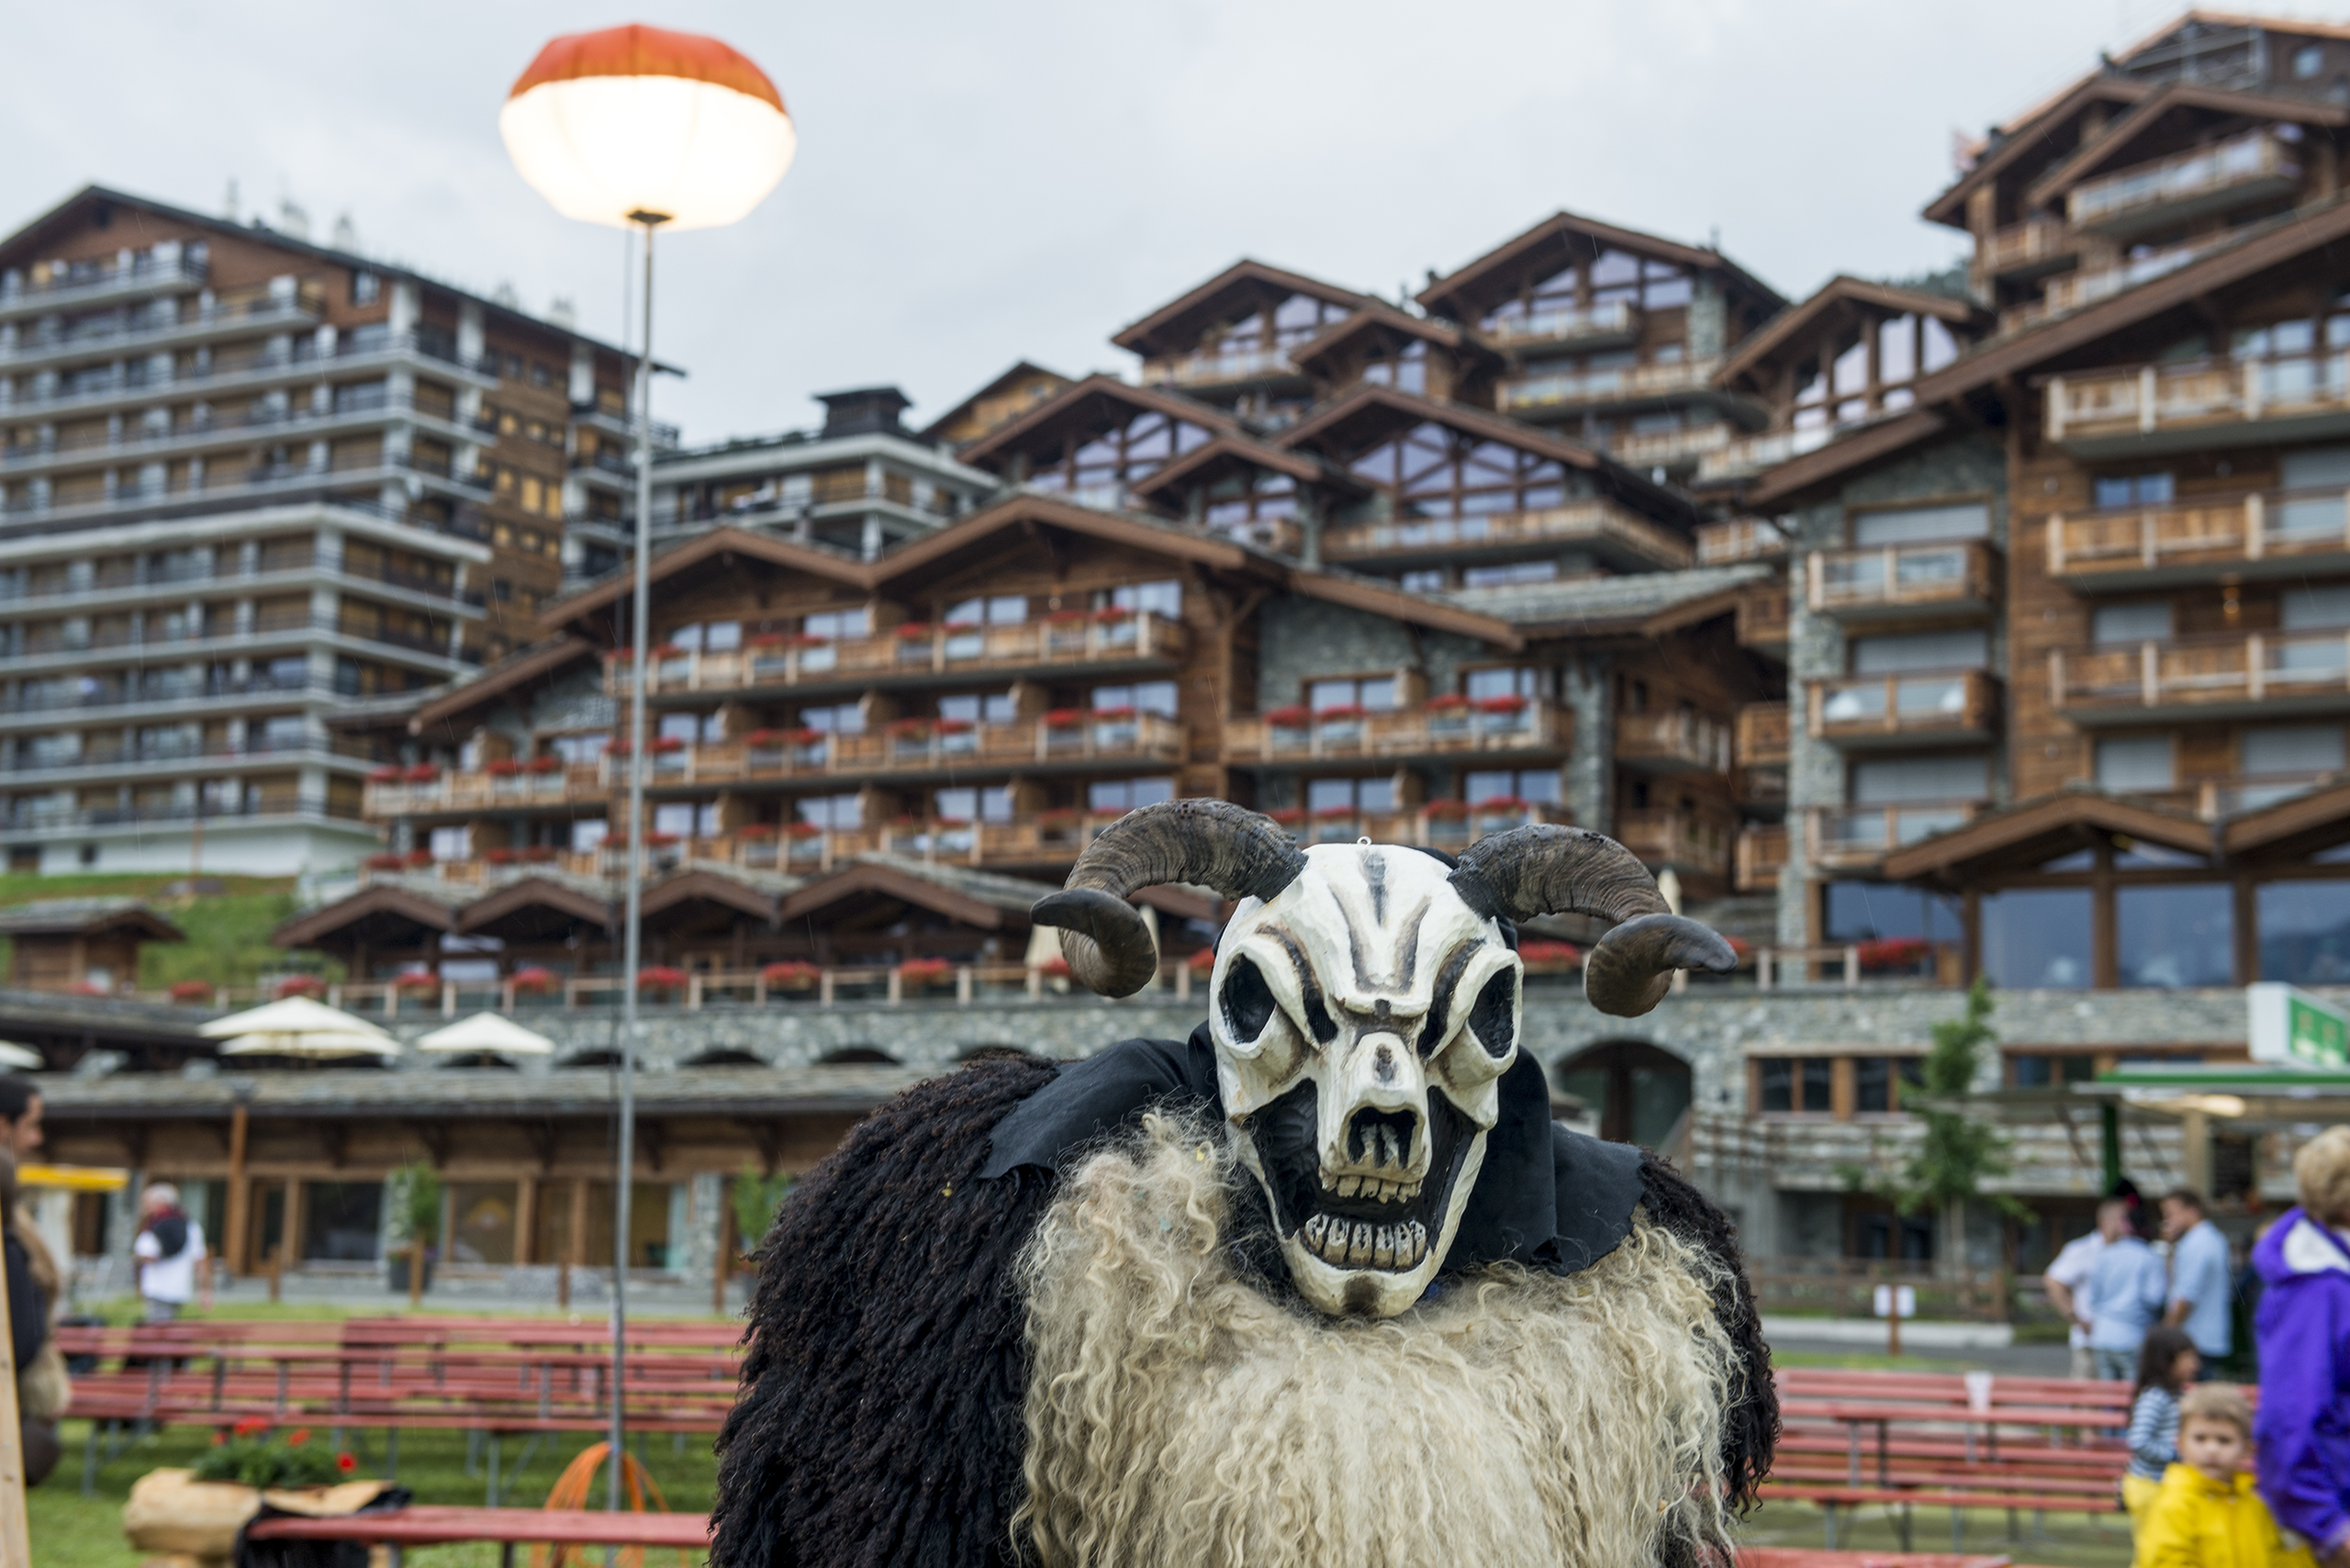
(1363, 1021)
(1364, 1007)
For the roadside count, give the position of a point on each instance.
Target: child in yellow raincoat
(2207, 1514)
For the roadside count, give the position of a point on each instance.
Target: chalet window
(1503, 577)
(721, 636)
(1892, 779)
(689, 728)
(1868, 912)
(2135, 762)
(842, 719)
(2305, 932)
(2047, 1070)
(586, 834)
(1126, 794)
(2136, 490)
(1115, 457)
(1920, 650)
(1258, 497)
(1143, 697)
(1164, 598)
(2146, 621)
(1875, 1081)
(979, 708)
(452, 844)
(1376, 693)
(839, 623)
(2314, 608)
(1906, 525)
(1424, 582)
(2037, 938)
(1797, 1083)
(578, 748)
(366, 287)
(831, 812)
(992, 804)
(2175, 935)
(1338, 797)
(2272, 749)
(687, 819)
(1009, 609)
(1513, 680)
(1534, 785)
(1407, 369)
(1435, 473)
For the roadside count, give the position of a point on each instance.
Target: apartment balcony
(1676, 451)
(1691, 843)
(1897, 582)
(2077, 290)
(1760, 749)
(1438, 729)
(255, 312)
(45, 656)
(225, 432)
(1914, 708)
(1764, 618)
(132, 764)
(1854, 839)
(665, 437)
(1749, 456)
(2024, 250)
(1680, 742)
(2274, 533)
(918, 750)
(107, 280)
(259, 369)
(1237, 368)
(353, 481)
(1614, 532)
(122, 584)
(1762, 855)
(1740, 539)
(2243, 171)
(1097, 645)
(2239, 675)
(1609, 324)
(1443, 824)
(35, 703)
(540, 784)
(490, 868)
(2149, 409)
(1613, 388)
(261, 808)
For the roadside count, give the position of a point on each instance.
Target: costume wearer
(1322, 1284)
(2301, 1432)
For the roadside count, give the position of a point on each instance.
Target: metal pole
(640, 610)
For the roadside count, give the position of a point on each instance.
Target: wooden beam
(539, 1136)
(335, 1138)
(239, 1217)
(768, 1138)
(434, 1137)
(653, 1140)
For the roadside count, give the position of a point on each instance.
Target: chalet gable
(1834, 317)
(2022, 149)
(1566, 239)
(1292, 305)
(2178, 118)
(1098, 434)
(1010, 395)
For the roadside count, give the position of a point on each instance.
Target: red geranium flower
(1286, 718)
(345, 1463)
(296, 1437)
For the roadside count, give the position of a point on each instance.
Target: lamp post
(641, 128)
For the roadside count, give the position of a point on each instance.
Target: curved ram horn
(1212, 843)
(1548, 869)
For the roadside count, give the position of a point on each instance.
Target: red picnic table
(430, 1525)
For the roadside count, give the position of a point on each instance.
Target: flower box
(909, 729)
(533, 980)
(1501, 705)
(952, 628)
(310, 986)
(1058, 816)
(667, 744)
(1111, 615)
(804, 737)
(1286, 718)
(763, 738)
(802, 830)
(1503, 803)
(1446, 810)
(418, 859)
(667, 650)
(1112, 715)
(769, 639)
(755, 830)
(545, 764)
(1288, 816)
(956, 726)
(1064, 617)
(504, 768)
(788, 974)
(1892, 953)
(913, 631)
(541, 854)
(190, 991)
(501, 856)
(1333, 813)
(659, 840)
(422, 773)
(660, 976)
(1452, 703)
(1343, 711)
(383, 776)
(1064, 718)
(416, 981)
(390, 860)
(1550, 954)
(923, 971)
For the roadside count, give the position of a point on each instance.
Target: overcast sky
(981, 183)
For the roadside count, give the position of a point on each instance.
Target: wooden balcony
(1556, 393)
(2028, 250)
(1896, 582)
(2239, 675)
(1696, 842)
(1673, 450)
(1232, 368)
(1443, 826)
(2197, 404)
(1740, 539)
(1683, 741)
(1848, 838)
(1912, 707)
(917, 656)
(1762, 855)
(491, 868)
(1749, 456)
(2271, 535)
(1080, 743)
(1603, 325)
(528, 787)
(1764, 613)
(1762, 734)
(2258, 166)
(1605, 527)
(1444, 728)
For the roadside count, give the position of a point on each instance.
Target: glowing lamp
(616, 126)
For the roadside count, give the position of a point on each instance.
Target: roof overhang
(720, 545)
(676, 894)
(513, 904)
(1070, 404)
(1844, 291)
(889, 881)
(1468, 282)
(2099, 86)
(2038, 830)
(383, 903)
(2145, 116)
(1205, 302)
(503, 680)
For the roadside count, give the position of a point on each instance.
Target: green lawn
(228, 932)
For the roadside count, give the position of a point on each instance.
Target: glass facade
(2181, 933)
(2037, 938)
(2305, 932)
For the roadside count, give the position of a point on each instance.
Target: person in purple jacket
(2302, 1434)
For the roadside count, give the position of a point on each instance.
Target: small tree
(1959, 1152)
(415, 1217)
(756, 1197)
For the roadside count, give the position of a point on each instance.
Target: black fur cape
(880, 1421)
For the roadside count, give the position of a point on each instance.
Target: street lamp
(636, 128)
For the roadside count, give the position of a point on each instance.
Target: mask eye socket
(1493, 1017)
(1247, 1000)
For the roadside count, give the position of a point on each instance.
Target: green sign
(2292, 1028)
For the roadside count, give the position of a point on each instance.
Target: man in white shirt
(2064, 1277)
(170, 1254)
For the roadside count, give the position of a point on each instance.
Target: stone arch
(856, 1056)
(724, 1056)
(988, 1051)
(1641, 1092)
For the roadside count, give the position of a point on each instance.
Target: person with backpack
(172, 1263)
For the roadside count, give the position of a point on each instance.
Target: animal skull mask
(1363, 1008)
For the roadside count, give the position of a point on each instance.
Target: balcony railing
(2199, 402)
(255, 311)
(1913, 706)
(1452, 825)
(1762, 734)
(491, 868)
(2188, 540)
(1695, 841)
(1740, 539)
(1749, 456)
(2077, 290)
(260, 803)
(1438, 729)
(1683, 741)
(1080, 739)
(1609, 320)
(1890, 579)
(144, 273)
(2255, 166)
(1765, 617)
(2027, 249)
(1852, 837)
(1681, 448)
(1762, 855)
(1219, 369)
(1142, 638)
(566, 785)
(2238, 672)
(1594, 521)
(1608, 385)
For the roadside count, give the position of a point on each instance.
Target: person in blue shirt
(2201, 1282)
(2123, 1295)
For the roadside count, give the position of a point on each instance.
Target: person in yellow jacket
(2207, 1514)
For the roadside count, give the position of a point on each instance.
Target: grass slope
(228, 932)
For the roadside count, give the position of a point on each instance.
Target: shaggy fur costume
(1176, 1414)
(887, 1391)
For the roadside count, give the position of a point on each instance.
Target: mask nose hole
(1384, 1064)
(1381, 1137)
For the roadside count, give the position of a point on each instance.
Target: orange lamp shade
(630, 120)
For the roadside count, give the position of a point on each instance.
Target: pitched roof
(1444, 293)
(85, 917)
(507, 676)
(1380, 316)
(1245, 451)
(1019, 370)
(2146, 116)
(1632, 603)
(1841, 289)
(421, 901)
(1109, 388)
(2032, 831)
(1243, 274)
(728, 539)
(2097, 86)
(984, 899)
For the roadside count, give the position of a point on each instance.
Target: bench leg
(491, 1501)
(90, 1462)
(2015, 1526)
(1957, 1529)
(391, 1453)
(1828, 1512)
(1903, 1519)
(505, 1554)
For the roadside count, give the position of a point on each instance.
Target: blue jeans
(2115, 1366)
